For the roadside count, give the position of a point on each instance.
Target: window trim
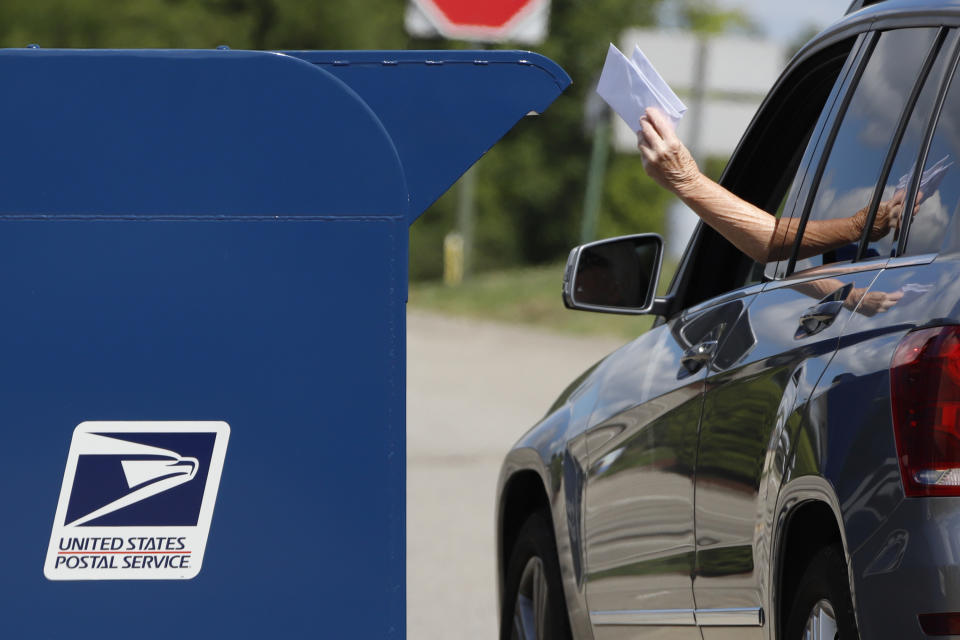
(822, 155)
(849, 73)
(734, 294)
(897, 140)
(836, 121)
(834, 269)
(703, 243)
(945, 82)
(911, 261)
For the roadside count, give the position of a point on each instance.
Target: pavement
(473, 388)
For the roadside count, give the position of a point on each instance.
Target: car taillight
(925, 397)
(940, 624)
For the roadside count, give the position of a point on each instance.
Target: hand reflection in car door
(638, 503)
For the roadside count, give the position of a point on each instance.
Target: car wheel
(822, 608)
(534, 607)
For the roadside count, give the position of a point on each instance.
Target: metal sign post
(492, 21)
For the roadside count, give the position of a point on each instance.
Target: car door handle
(819, 316)
(699, 354)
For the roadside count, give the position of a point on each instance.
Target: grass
(525, 296)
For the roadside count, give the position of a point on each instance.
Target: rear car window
(901, 171)
(849, 179)
(933, 225)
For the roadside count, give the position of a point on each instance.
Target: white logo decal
(137, 500)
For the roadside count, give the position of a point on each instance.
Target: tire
(822, 602)
(533, 605)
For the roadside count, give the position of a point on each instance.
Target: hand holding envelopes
(929, 180)
(630, 86)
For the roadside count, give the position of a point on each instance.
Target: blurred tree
(364, 24)
(124, 23)
(707, 18)
(803, 37)
(531, 184)
(242, 24)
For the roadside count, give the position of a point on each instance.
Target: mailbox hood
(244, 133)
(444, 109)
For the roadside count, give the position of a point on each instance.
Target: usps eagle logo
(137, 500)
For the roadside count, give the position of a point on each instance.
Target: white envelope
(630, 86)
(929, 180)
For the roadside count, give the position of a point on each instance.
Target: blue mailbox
(202, 374)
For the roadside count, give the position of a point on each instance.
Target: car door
(638, 503)
(756, 389)
(848, 435)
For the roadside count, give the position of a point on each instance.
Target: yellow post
(452, 259)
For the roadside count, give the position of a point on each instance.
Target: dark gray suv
(779, 457)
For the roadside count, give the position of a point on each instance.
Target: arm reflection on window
(868, 303)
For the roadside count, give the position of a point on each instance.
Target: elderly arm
(669, 163)
(749, 228)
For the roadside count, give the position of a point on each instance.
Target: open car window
(765, 170)
(935, 194)
(893, 197)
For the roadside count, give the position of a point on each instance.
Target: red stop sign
(491, 13)
(479, 19)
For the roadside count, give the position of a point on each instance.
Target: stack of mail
(630, 86)
(929, 180)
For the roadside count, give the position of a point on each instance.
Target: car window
(781, 244)
(933, 225)
(762, 171)
(840, 206)
(807, 113)
(893, 196)
(794, 172)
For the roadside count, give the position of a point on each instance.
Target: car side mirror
(616, 275)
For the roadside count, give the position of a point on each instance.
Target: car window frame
(946, 81)
(821, 155)
(860, 263)
(817, 152)
(939, 49)
(706, 243)
(854, 27)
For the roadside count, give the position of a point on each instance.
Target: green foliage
(241, 24)
(365, 24)
(713, 167)
(804, 36)
(633, 203)
(124, 23)
(528, 295)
